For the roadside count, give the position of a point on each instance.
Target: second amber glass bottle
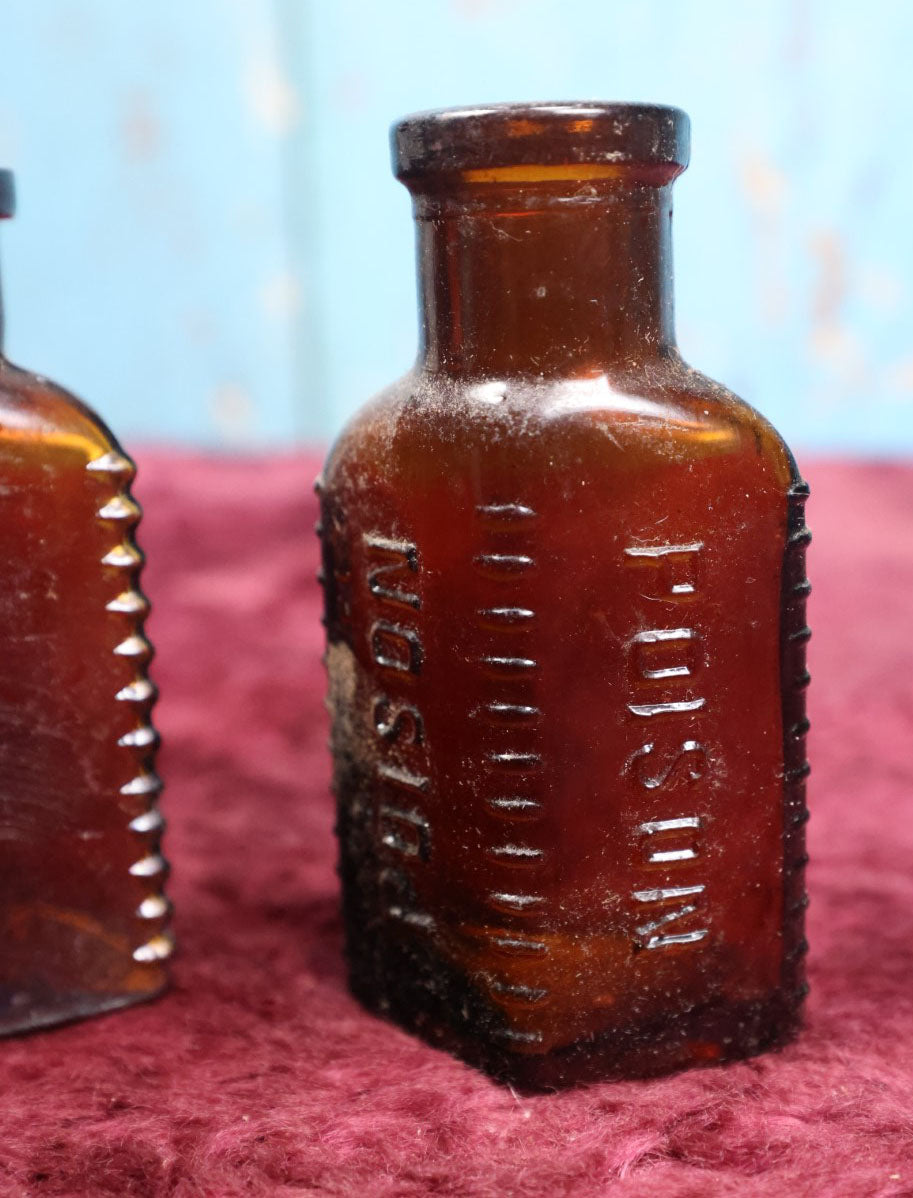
(83, 921)
(565, 596)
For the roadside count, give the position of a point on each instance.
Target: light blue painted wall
(149, 266)
(207, 207)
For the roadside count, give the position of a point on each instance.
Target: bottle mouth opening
(530, 143)
(7, 194)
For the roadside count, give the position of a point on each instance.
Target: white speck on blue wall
(211, 248)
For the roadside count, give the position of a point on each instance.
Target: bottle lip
(7, 194)
(549, 134)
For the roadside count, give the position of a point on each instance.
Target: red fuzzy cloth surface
(258, 1074)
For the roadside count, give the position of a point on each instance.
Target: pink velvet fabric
(258, 1074)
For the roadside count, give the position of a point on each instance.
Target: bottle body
(83, 917)
(565, 598)
(557, 690)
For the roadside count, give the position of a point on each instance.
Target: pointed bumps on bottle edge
(121, 513)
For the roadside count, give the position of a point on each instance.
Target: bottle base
(703, 1037)
(712, 1034)
(21, 1019)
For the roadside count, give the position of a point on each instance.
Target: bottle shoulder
(720, 414)
(376, 421)
(666, 410)
(33, 409)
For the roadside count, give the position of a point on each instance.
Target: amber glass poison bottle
(565, 606)
(83, 922)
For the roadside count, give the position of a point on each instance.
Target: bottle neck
(560, 284)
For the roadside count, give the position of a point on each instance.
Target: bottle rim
(7, 194)
(554, 134)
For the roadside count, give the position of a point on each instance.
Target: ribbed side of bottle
(118, 514)
(795, 678)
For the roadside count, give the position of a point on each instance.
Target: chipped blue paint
(142, 268)
(207, 209)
